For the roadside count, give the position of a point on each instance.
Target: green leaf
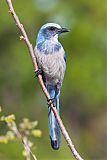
(36, 132)
(9, 118)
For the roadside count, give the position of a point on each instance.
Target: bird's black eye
(51, 28)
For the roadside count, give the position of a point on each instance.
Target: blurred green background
(83, 95)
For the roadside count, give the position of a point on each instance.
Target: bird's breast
(53, 65)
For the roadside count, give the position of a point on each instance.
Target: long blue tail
(54, 130)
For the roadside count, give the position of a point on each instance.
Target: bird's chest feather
(53, 65)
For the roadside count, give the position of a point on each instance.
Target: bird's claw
(38, 72)
(50, 101)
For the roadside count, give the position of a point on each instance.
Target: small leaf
(10, 118)
(30, 144)
(2, 118)
(27, 125)
(21, 37)
(3, 139)
(24, 153)
(36, 133)
(10, 135)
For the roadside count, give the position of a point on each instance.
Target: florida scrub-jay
(51, 60)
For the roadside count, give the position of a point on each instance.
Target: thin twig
(31, 52)
(14, 129)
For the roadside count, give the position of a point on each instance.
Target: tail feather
(54, 130)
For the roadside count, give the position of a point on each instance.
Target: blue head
(50, 31)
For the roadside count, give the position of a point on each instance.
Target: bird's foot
(50, 101)
(38, 72)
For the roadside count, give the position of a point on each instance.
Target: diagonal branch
(14, 129)
(31, 52)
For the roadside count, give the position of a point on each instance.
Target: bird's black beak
(63, 30)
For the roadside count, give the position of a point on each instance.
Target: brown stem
(31, 52)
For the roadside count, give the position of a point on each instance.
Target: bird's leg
(38, 72)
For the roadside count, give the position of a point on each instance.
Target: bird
(51, 60)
